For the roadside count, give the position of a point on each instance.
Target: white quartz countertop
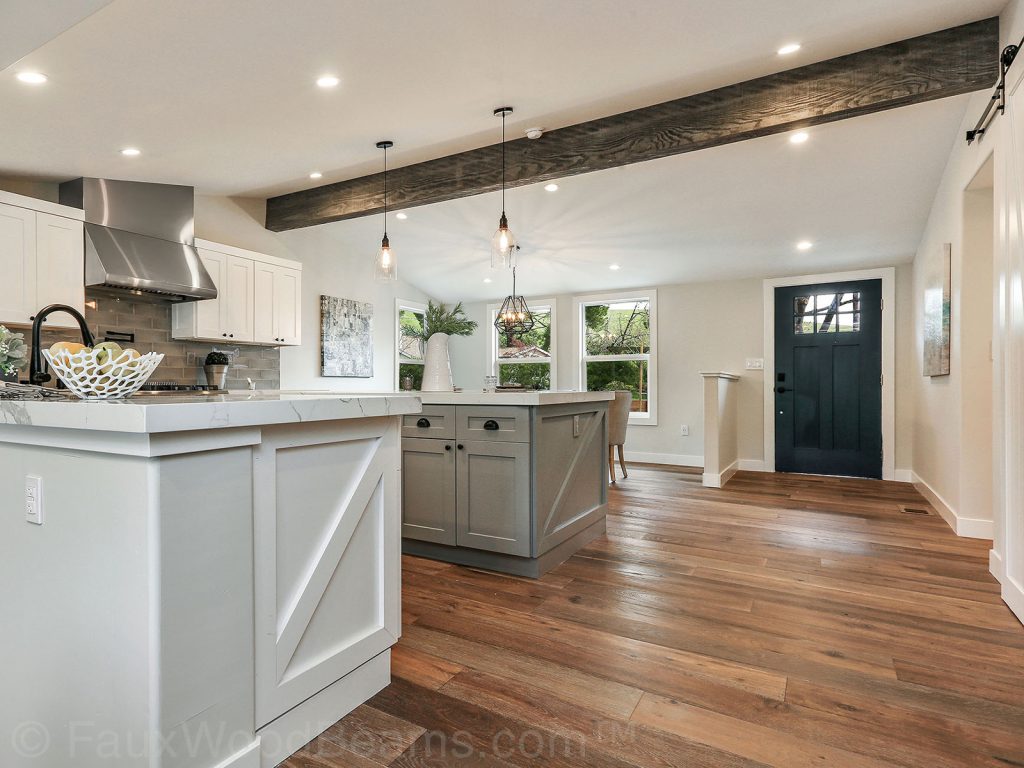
(479, 397)
(168, 413)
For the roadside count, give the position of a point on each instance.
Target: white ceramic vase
(437, 365)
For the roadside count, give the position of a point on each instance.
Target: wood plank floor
(783, 621)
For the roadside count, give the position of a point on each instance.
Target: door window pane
(849, 322)
(827, 313)
(621, 374)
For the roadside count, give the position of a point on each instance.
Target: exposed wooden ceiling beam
(947, 63)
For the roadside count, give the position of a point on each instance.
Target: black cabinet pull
(491, 425)
(447, 447)
(423, 423)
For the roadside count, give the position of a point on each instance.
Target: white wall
(701, 327)
(952, 463)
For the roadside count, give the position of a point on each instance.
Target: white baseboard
(246, 758)
(753, 465)
(996, 566)
(719, 479)
(968, 527)
(903, 476)
(671, 459)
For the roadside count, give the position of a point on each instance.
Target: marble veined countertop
(505, 397)
(173, 413)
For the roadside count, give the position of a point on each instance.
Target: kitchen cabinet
(42, 257)
(513, 488)
(258, 300)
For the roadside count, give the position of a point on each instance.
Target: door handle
(423, 423)
(491, 425)
(783, 390)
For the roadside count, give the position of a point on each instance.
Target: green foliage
(13, 351)
(530, 375)
(217, 358)
(411, 369)
(439, 319)
(410, 324)
(619, 374)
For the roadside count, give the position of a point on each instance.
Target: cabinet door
(210, 313)
(493, 510)
(288, 306)
(264, 320)
(17, 264)
(237, 308)
(428, 490)
(60, 264)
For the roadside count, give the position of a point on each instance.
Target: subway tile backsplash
(183, 360)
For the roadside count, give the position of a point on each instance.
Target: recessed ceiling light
(488, 280)
(788, 49)
(551, 187)
(799, 137)
(804, 245)
(316, 175)
(614, 267)
(32, 78)
(131, 152)
(327, 81)
(401, 216)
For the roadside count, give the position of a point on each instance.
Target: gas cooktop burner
(170, 386)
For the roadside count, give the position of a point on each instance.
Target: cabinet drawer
(435, 421)
(506, 423)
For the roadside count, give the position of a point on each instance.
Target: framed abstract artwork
(937, 308)
(346, 338)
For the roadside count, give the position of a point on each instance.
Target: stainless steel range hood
(139, 239)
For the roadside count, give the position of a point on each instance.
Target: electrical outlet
(33, 500)
(755, 363)
(684, 430)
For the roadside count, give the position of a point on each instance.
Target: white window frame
(582, 358)
(412, 306)
(494, 362)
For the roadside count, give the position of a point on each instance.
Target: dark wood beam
(948, 63)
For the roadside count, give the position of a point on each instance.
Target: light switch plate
(33, 500)
(755, 363)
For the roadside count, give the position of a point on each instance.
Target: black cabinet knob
(491, 425)
(423, 423)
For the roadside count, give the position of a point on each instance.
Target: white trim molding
(888, 277)
(968, 527)
(668, 459)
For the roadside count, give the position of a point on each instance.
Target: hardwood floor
(783, 621)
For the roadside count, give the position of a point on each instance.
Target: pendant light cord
(503, 163)
(385, 191)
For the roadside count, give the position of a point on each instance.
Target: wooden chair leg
(622, 462)
(611, 465)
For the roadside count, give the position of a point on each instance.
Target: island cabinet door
(493, 508)
(428, 490)
(327, 545)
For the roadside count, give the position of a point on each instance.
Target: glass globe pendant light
(503, 244)
(514, 318)
(385, 268)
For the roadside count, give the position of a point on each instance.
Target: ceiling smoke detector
(534, 133)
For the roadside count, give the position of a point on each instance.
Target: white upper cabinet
(60, 262)
(42, 260)
(258, 299)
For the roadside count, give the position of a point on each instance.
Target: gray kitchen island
(509, 481)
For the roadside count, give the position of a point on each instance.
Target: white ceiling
(220, 94)
(860, 189)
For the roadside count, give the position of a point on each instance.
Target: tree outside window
(617, 348)
(410, 344)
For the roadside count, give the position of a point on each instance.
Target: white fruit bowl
(84, 375)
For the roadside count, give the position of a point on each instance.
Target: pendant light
(385, 268)
(514, 318)
(503, 244)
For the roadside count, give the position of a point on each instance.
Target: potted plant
(216, 368)
(439, 325)
(13, 354)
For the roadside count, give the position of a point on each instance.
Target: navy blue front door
(828, 379)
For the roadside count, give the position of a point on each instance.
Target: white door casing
(326, 513)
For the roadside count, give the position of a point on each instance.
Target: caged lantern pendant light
(514, 318)
(503, 244)
(385, 268)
